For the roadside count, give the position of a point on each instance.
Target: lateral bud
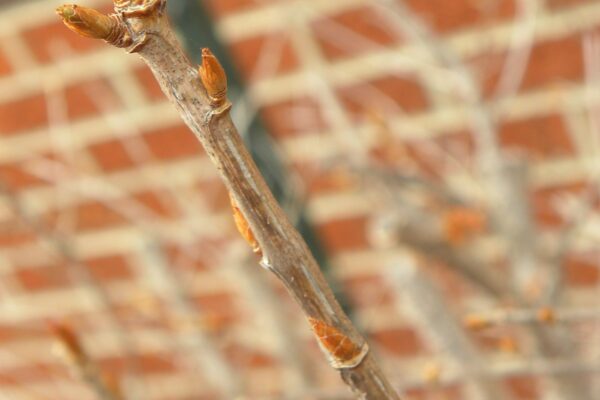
(546, 315)
(213, 78)
(243, 227)
(476, 322)
(341, 351)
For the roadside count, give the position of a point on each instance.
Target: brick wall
(91, 150)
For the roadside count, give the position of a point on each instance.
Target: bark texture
(196, 95)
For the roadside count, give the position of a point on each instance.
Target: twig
(421, 231)
(516, 368)
(304, 43)
(517, 227)
(192, 339)
(261, 295)
(485, 319)
(76, 269)
(143, 28)
(519, 51)
(550, 343)
(77, 357)
(445, 332)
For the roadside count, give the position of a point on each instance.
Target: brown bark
(145, 30)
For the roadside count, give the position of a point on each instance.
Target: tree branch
(142, 27)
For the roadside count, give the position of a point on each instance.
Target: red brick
(143, 363)
(14, 233)
(380, 94)
(544, 202)
(354, 32)
(222, 8)
(215, 302)
(458, 145)
(368, 290)
(217, 312)
(23, 114)
(192, 260)
(451, 284)
(523, 387)
(539, 138)
(173, 142)
(555, 61)
(398, 342)
(214, 195)
(429, 158)
(109, 268)
(294, 117)
(5, 67)
(80, 98)
(346, 234)
(318, 180)
(149, 84)
(160, 203)
(24, 331)
(142, 310)
(16, 177)
(248, 54)
(582, 270)
(551, 62)
(444, 16)
(244, 357)
(21, 376)
(446, 392)
(94, 215)
(44, 278)
(155, 363)
(111, 155)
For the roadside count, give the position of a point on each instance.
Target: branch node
(139, 43)
(139, 8)
(216, 112)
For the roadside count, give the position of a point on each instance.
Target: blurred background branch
(459, 135)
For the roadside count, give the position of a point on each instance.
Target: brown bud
(546, 315)
(243, 227)
(213, 77)
(87, 21)
(476, 322)
(461, 223)
(340, 348)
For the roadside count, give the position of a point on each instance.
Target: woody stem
(200, 99)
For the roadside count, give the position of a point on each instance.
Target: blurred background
(442, 159)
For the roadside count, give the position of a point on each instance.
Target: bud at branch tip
(93, 24)
(87, 21)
